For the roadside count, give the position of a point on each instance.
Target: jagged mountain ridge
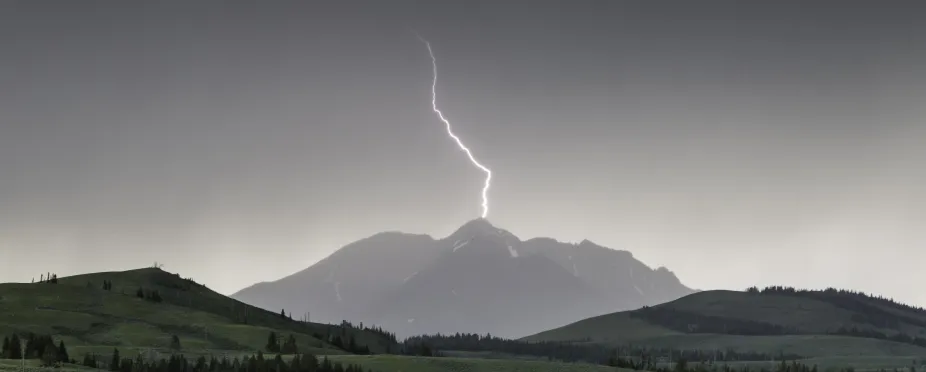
(478, 279)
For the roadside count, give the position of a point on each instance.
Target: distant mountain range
(479, 279)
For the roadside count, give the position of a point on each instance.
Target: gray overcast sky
(734, 143)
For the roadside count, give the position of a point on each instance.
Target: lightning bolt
(488, 172)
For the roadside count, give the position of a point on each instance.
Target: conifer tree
(114, 363)
(63, 352)
(175, 343)
(15, 351)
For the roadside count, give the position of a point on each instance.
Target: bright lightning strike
(488, 172)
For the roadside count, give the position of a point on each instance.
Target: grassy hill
(89, 318)
(774, 321)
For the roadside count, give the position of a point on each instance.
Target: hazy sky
(734, 143)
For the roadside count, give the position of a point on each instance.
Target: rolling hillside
(775, 320)
(145, 308)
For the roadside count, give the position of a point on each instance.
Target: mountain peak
(477, 227)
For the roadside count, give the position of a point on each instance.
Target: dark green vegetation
(253, 363)
(488, 346)
(150, 309)
(778, 321)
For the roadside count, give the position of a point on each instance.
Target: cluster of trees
(174, 281)
(867, 309)
(389, 336)
(689, 322)
(433, 345)
(254, 363)
(150, 295)
(683, 365)
(868, 333)
(47, 278)
(348, 343)
(107, 285)
(880, 300)
(436, 345)
(37, 347)
(344, 341)
(288, 346)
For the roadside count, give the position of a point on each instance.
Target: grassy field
(394, 363)
(92, 320)
(33, 365)
(860, 364)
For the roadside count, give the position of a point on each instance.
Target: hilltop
(154, 318)
(776, 320)
(144, 309)
(480, 279)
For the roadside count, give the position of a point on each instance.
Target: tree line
(684, 365)
(436, 345)
(881, 300)
(49, 278)
(254, 363)
(40, 347)
(150, 295)
(689, 322)
(864, 309)
(388, 336)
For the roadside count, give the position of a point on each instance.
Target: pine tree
(63, 352)
(15, 351)
(175, 343)
(272, 345)
(114, 363)
(30, 347)
(289, 347)
(89, 361)
(49, 356)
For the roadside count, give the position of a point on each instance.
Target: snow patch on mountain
(458, 244)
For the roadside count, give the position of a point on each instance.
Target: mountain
(774, 321)
(480, 279)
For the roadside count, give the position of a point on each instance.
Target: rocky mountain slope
(479, 279)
